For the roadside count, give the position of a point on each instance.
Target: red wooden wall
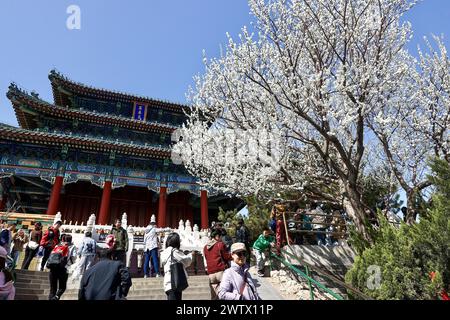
(81, 199)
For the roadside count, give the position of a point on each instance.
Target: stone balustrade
(192, 239)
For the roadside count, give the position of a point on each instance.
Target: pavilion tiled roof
(25, 105)
(60, 81)
(10, 133)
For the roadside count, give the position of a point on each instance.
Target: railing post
(311, 292)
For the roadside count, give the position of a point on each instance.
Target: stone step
(135, 286)
(42, 274)
(133, 290)
(28, 279)
(186, 296)
(34, 285)
(162, 296)
(24, 296)
(22, 271)
(138, 283)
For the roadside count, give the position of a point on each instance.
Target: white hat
(238, 246)
(3, 252)
(153, 219)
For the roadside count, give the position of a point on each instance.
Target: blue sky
(146, 47)
(151, 48)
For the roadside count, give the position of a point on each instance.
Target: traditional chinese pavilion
(102, 152)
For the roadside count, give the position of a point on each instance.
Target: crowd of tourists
(102, 271)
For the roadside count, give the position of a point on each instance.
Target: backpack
(110, 241)
(57, 258)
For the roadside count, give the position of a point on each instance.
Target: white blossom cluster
(323, 78)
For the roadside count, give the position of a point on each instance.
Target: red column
(54, 197)
(3, 202)
(204, 209)
(104, 206)
(161, 220)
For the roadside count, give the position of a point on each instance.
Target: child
(264, 241)
(61, 257)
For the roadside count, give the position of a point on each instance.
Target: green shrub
(407, 255)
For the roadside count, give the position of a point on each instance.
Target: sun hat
(238, 246)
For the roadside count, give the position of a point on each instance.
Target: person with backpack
(7, 289)
(61, 257)
(106, 280)
(87, 253)
(217, 257)
(49, 241)
(171, 256)
(120, 242)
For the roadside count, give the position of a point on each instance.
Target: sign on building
(140, 111)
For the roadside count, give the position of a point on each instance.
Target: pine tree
(258, 218)
(406, 257)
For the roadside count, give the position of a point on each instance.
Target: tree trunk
(411, 215)
(356, 210)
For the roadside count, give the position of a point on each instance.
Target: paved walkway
(265, 289)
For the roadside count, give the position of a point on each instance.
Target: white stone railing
(192, 239)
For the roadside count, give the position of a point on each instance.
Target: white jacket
(178, 256)
(150, 238)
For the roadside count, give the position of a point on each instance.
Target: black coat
(106, 280)
(243, 234)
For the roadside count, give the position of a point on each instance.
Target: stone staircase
(34, 285)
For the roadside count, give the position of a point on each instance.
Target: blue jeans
(320, 237)
(153, 254)
(15, 255)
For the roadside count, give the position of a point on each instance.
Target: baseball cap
(238, 246)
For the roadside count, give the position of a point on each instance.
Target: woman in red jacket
(49, 241)
(217, 257)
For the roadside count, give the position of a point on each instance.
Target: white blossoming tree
(288, 108)
(412, 125)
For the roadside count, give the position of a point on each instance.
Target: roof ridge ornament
(54, 73)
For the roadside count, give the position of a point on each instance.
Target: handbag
(178, 279)
(33, 245)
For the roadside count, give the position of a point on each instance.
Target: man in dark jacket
(243, 235)
(217, 257)
(120, 242)
(106, 280)
(5, 236)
